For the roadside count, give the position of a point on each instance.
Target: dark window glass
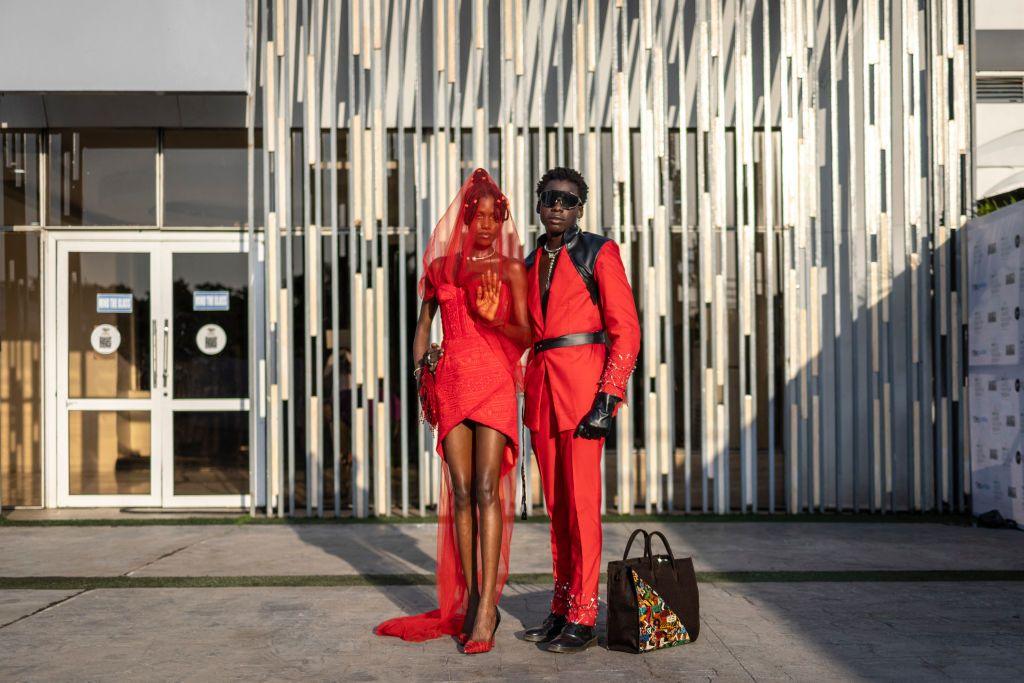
(299, 167)
(109, 452)
(343, 177)
(102, 177)
(122, 369)
(19, 189)
(211, 453)
(205, 180)
(20, 370)
(211, 313)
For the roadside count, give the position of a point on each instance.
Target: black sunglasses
(567, 199)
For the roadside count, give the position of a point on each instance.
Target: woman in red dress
(473, 271)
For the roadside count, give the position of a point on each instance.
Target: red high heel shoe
(477, 647)
(463, 638)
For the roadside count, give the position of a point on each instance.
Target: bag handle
(629, 544)
(650, 555)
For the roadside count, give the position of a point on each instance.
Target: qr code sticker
(210, 342)
(105, 342)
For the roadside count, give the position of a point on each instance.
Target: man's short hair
(564, 173)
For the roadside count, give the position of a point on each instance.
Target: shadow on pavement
(390, 550)
(375, 550)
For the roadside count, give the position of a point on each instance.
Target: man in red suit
(587, 337)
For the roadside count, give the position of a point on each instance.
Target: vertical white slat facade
(786, 179)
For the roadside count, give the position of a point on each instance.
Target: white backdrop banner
(995, 246)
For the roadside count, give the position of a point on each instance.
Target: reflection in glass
(19, 178)
(102, 177)
(200, 370)
(20, 370)
(125, 371)
(211, 453)
(343, 177)
(344, 389)
(393, 177)
(205, 180)
(299, 170)
(109, 452)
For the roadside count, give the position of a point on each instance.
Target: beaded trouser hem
(576, 607)
(570, 470)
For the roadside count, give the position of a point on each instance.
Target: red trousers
(570, 471)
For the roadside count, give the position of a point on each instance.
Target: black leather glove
(598, 422)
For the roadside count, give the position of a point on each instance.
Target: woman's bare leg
(489, 449)
(458, 452)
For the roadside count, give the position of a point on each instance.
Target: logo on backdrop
(211, 339)
(105, 339)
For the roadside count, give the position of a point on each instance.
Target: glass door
(108, 379)
(151, 358)
(205, 411)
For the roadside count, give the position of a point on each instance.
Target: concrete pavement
(798, 629)
(307, 549)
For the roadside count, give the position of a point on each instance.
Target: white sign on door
(211, 300)
(211, 339)
(110, 302)
(105, 339)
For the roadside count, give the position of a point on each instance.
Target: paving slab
(304, 549)
(806, 631)
(94, 551)
(121, 514)
(16, 605)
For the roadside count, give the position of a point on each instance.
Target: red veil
(445, 258)
(446, 268)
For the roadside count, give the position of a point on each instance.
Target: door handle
(152, 351)
(167, 337)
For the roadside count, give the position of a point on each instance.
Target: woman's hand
(432, 357)
(487, 296)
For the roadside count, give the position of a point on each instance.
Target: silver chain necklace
(552, 257)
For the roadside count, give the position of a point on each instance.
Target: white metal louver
(787, 180)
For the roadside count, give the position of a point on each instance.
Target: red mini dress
(475, 380)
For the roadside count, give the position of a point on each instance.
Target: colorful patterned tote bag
(652, 600)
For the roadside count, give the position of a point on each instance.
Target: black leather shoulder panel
(583, 251)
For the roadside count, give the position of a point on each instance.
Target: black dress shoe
(573, 638)
(551, 627)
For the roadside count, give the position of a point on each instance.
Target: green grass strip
(246, 520)
(540, 579)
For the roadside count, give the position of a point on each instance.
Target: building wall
(1000, 148)
(999, 118)
(786, 179)
(124, 45)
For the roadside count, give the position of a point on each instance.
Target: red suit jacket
(575, 374)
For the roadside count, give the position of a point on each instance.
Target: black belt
(575, 339)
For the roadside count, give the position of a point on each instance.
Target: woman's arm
(420, 341)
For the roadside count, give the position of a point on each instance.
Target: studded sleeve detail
(621, 322)
(617, 370)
